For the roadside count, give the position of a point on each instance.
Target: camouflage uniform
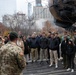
(12, 62)
(1, 44)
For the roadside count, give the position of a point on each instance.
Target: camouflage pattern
(12, 60)
(1, 44)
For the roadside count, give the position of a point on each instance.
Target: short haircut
(13, 36)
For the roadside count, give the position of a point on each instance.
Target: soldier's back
(8, 60)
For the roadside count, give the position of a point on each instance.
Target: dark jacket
(43, 43)
(53, 43)
(28, 41)
(26, 48)
(59, 40)
(64, 46)
(38, 40)
(33, 43)
(75, 40)
(70, 49)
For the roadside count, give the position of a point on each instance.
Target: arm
(56, 44)
(73, 49)
(20, 59)
(22, 45)
(62, 46)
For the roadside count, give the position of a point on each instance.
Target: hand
(21, 53)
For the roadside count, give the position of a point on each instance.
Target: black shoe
(35, 60)
(47, 62)
(32, 61)
(26, 63)
(41, 62)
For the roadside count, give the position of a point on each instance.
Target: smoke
(40, 23)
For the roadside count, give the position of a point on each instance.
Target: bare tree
(20, 22)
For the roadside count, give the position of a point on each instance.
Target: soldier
(12, 60)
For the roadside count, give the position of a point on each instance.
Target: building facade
(38, 3)
(29, 9)
(41, 13)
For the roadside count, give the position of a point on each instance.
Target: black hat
(13, 35)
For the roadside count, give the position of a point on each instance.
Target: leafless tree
(19, 21)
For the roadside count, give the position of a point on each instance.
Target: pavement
(43, 68)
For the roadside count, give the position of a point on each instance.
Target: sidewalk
(44, 69)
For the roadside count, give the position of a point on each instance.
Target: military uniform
(1, 44)
(12, 60)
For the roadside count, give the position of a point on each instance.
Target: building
(29, 9)
(38, 3)
(41, 13)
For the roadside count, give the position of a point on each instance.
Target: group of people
(53, 47)
(42, 46)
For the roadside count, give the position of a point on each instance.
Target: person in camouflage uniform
(12, 60)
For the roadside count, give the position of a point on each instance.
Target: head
(70, 42)
(52, 35)
(49, 34)
(34, 35)
(20, 37)
(65, 37)
(24, 37)
(13, 36)
(56, 34)
(29, 36)
(43, 34)
(65, 32)
(39, 33)
(19, 32)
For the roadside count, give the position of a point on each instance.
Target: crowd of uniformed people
(50, 47)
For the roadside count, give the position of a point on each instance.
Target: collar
(13, 43)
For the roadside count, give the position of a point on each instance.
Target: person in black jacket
(43, 46)
(59, 40)
(74, 39)
(26, 49)
(28, 43)
(34, 45)
(63, 51)
(38, 40)
(70, 52)
(53, 45)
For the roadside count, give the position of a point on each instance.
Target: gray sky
(7, 7)
(13, 6)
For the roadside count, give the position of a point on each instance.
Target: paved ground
(44, 69)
